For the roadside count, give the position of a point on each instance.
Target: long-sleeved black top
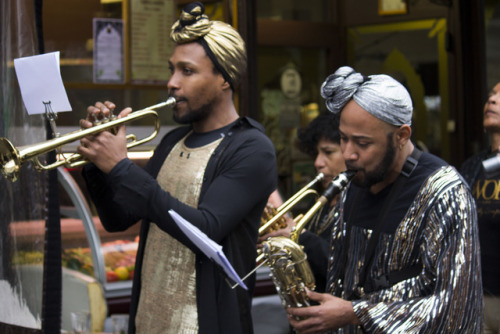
(239, 177)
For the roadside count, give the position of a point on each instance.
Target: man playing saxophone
(217, 171)
(405, 254)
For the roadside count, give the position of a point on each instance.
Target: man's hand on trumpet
(285, 231)
(104, 149)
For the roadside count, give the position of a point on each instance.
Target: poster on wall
(150, 44)
(108, 51)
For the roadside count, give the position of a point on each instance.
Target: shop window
(492, 20)
(289, 84)
(296, 10)
(414, 54)
(72, 34)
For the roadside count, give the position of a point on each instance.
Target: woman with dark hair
(321, 140)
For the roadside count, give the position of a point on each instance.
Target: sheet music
(209, 247)
(40, 81)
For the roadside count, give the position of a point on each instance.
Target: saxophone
(273, 219)
(290, 270)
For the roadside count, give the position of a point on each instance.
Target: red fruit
(131, 274)
(111, 276)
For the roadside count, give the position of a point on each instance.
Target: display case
(89, 249)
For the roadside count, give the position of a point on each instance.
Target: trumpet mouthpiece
(170, 101)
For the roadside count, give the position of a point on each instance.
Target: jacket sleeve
(446, 297)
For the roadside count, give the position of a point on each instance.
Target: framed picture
(392, 7)
(108, 50)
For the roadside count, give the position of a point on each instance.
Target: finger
(314, 295)
(125, 112)
(110, 105)
(85, 123)
(85, 142)
(92, 111)
(96, 112)
(83, 150)
(298, 312)
(101, 110)
(301, 325)
(122, 131)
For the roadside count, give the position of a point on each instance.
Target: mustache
(352, 167)
(178, 98)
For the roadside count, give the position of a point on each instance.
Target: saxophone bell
(290, 270)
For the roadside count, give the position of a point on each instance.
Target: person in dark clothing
(321, 140)
(404, 254)
(486, 193)
(216, 171)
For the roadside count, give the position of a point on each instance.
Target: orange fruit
(122, 273)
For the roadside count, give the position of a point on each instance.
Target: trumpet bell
(9, 159)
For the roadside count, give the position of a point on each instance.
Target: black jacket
(228, 212)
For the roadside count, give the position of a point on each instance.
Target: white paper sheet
(209, 247)
(40, 81)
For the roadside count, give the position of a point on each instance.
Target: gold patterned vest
(167, 303)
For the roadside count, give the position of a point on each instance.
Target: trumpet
(290, 270)
(336, 186)
(11, 158)
(284, 208)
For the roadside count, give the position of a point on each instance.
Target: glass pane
(312, 11)
(492, 18)
(22, 213)
(72, 35)
(289, 85)
(83, 239)
(413, 53)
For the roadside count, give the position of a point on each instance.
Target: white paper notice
(209, 247)
(40, 81)
(108, 50)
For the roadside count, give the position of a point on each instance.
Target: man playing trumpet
(216, 171)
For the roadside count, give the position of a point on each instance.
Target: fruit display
(119, 259)
(28, 257)
(79, 259)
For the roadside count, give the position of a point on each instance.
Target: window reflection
(289, 86)
(414, 54)
(296, 10)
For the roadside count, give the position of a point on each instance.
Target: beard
(380, 171)
(192, 115)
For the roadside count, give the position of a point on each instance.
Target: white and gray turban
(380, 95)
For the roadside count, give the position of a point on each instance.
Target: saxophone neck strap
(408, 168)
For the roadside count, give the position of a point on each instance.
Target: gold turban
(222, 43)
